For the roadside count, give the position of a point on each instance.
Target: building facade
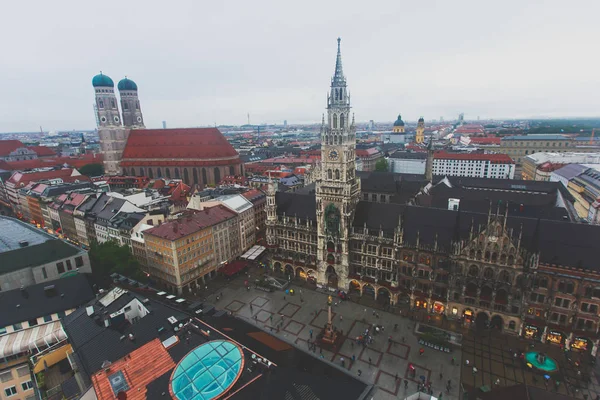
(493, 166)
(183, 253)
(514, 274)
(520, 146)
(536, 167)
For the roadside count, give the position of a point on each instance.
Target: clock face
(333, 155)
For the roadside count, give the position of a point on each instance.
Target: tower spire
(338, 77)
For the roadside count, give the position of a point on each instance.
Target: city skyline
(508, 61)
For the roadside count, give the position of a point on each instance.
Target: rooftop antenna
(248, 118)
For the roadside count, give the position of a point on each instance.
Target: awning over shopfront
(31, 339)
(233, 267)
(253, 253)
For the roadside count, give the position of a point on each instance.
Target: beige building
(182, 253)
(539, 166)
(520, 146)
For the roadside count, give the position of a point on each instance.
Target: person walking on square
(405, 384)
(310, 333)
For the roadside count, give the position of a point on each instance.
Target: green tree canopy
(381, 165)
(109, 257)
(92, 170)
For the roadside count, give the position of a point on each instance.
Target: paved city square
(383, 363)
(298, 318)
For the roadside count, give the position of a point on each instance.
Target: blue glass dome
(102, 80)
(127, 84)
(207, 371)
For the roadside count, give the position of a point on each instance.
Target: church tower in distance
(338, 188)
(130, 104)
(110, 131)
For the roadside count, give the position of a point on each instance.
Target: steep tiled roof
(560, 243)
(8, 146)
(42, 151)
(140, 367)
(22, 179)
(296, 205)
(36, 301)
(191, 223)
(189, 143)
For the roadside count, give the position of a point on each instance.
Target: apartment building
(30, 325)
(29, 256)
(476, 165)
(539, 166)
(181, 253)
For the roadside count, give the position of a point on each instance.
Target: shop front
(468, 315)
(438, 307)
(556, 337)
(581, 344)
(421, 303)
(531, 332)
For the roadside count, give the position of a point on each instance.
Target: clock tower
(338, 188)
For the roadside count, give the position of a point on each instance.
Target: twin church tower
(114, 126)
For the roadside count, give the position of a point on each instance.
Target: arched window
(473, 270)
(168, 173)
(113, 103)
(217, 175)
(512, 325)
(150, 173)
(328, 174)
(125, 106)
(186, 177)
(195, 174)
(334, 120)
(204, 177)
(336, 94)
(125, 171)
(231, 170)
(177, 176)
(158, 173)
(100, 103)
(342, 120)
(142, 173)
(504, 277)
(488, 273)
(337, 174)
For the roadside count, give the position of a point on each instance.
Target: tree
(381, 165)
(109, 257)
(92, 170)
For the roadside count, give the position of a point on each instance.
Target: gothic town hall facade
(539, 279)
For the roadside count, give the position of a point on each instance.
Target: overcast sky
(205, 62)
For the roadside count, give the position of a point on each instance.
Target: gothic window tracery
(342, 120)
(334, 121)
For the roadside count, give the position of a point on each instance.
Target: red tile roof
(253, 195)
(21, 179)
(367, 152)
(76, 162)
(191, 223)
(140, 367)
(493, 158)
(485, 140)
(42, 151)
(188, 143)
(8, 146)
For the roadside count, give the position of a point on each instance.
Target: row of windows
(32, 322)
(11, 391)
